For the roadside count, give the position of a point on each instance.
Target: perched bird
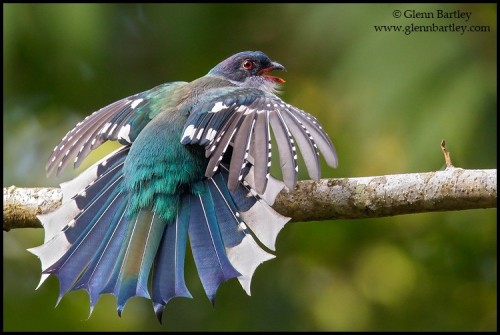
(195, 162)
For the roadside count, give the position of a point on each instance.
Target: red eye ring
(247, 64)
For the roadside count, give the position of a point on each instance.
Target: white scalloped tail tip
(246, 257)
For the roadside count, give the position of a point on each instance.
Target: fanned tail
(91, 243)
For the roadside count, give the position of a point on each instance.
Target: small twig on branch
(446, 154)
(327, 199)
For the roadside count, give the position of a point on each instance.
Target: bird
(194, 165)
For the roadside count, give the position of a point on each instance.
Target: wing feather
(242, 118)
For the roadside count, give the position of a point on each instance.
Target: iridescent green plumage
(159, 169)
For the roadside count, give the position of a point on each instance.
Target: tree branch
(327, 199)
(370, 197)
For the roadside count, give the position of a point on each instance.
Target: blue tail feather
(152, 242)
(87, 200)
(70, 267)
(83, 235)
(168, 273)
(99, 270)
(242, 250)
(230, 223)
(209, 254)
(113, 284)
(139, 247)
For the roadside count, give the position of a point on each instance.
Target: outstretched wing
(120, 121)
(243, 118)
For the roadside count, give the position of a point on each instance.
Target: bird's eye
(247, 64)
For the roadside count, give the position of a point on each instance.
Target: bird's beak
(277, 66)
(274, 66)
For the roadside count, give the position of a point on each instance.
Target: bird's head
(249, 69)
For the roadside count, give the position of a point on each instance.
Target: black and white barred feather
(243, 118)
(120, 121)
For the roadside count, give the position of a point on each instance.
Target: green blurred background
(387, 100)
